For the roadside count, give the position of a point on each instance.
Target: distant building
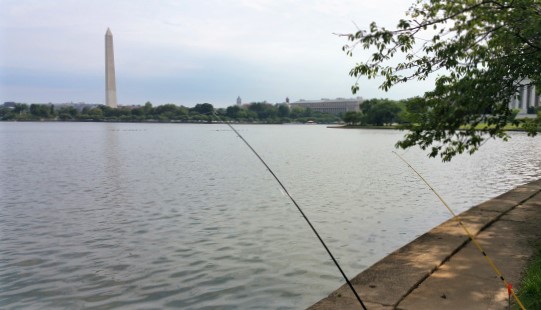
(331, 106)
(239, 101)
(527, 98)
(79, 105)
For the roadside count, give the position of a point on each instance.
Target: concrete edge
(525, 188)
(477, 219)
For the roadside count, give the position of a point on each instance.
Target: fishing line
(298, 208)
(470, 235)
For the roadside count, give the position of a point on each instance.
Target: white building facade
(331, 106)
(525, 98)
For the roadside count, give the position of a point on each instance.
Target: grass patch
(508, 127)
(530, 286)
(372, 127)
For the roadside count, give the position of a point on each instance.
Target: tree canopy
(379, 112)
(482, 51)
(256, 112)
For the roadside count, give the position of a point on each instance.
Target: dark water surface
(153, 216)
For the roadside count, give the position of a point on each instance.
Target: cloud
(267, 49)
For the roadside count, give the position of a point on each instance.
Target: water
(153, 216)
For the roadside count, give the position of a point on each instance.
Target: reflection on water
(162, 215)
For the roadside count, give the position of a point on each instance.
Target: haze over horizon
(186, 53)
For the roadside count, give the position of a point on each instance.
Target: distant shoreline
(366, 127)
(397, 127)
(161, 122)
(331, 126)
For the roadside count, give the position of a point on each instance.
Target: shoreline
(328, 125)
(400, 128)
(443, 269)
(160, 122)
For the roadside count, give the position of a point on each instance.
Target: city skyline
(186, 53)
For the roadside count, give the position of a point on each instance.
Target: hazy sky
(187, 52)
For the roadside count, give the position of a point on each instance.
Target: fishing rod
(470, 235)
(298, 208)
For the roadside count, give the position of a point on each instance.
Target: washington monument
(110, 82)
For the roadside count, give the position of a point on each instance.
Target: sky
(188, 52)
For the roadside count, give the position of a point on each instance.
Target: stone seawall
(443, 269)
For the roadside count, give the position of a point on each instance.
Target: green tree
(6, 113)
(67, 113)
(18, 112)
(264, 110)
(138, 112)
(413, 110)
(108, 112)
(171, 112)
(147, 108)
(352, 117)
(483, 51)
(40, 110)
(182, 113)
(283, 110)
(248, 115)
(297, 112)
(203, 108)
(168, 110)
(233, 111)
(21, 108)
(380, 111)
(96, 113)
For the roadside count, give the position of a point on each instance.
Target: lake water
(153, 216)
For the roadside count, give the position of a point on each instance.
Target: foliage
(283, 110)
(67, 113)
(532, 125)
(352, 118)
(203, 108)
(259, 112)
(40, 110)
(263, 110)
(376, 112)
(379, 112)
(530, 286)
(483, 50)
(233, 111)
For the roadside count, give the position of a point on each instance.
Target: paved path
(443, 270)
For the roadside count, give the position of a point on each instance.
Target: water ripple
(153, 216)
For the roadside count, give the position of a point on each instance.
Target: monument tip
(108, 33)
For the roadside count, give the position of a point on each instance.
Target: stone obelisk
(110, 81)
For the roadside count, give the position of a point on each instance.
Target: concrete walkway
(442, 269)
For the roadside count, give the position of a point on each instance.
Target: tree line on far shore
(382, 112)
(377, 112)
(372, 112)
(257, 112)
